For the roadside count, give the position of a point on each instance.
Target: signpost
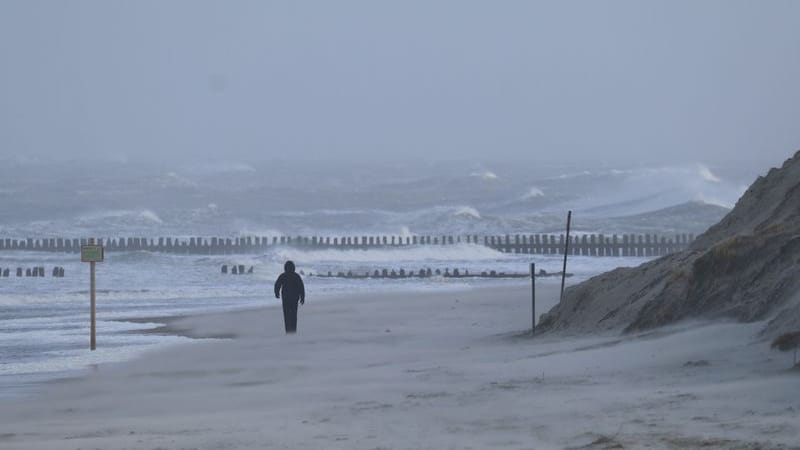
(92, 254)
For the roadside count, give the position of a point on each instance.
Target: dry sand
(421, 371)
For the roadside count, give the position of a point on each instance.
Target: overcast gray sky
(564, 80)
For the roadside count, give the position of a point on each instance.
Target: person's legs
(290, 316)
(293, 317)
(287, 316)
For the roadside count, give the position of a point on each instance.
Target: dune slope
(745, 268)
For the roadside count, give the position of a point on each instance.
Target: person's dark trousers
(290, 315)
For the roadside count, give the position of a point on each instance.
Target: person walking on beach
(290, 286)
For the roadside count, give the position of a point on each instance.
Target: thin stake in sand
(533, 298)
(566, 252)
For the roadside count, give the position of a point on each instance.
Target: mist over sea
(44, 321)
(291, 197)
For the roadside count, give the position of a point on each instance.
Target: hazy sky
(561, 80)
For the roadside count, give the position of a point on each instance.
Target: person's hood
(288, 267)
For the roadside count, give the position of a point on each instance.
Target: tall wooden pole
(533, 298)
(566, 253)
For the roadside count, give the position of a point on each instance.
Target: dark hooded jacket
(289, 285)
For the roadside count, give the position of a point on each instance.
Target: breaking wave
(485, 175)
(457, 252)
(172, 179)
(532, 193)
(217, 168)
(142, 215)
(707, 175)
(467, 211)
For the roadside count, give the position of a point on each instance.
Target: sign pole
(93, 340)
(92, 254)
(533, 298)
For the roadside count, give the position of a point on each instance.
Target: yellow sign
(91, 253)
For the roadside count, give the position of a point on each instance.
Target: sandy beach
(420, 370)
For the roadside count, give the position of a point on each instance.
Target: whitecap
(177, 180)
(146, 215)
(467, 211)
(485, 175)
(532, 193)
(457, 252)
(707, 174)
(221, 167)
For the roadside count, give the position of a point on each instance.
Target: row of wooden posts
(586, 244)
(428, 273)
(236, 269)
(58, 272)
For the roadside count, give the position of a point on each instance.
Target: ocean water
(44, 321)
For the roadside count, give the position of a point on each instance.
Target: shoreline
(168, 326)
(189, 325)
